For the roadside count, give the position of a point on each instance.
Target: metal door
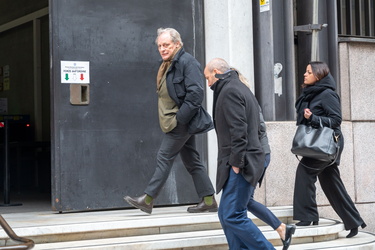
(105, 133)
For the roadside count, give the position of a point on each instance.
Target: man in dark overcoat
(240, 155)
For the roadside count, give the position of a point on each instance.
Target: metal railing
(26, 243)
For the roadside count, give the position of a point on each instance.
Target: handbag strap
(321, 123)
(333, 161)
(330, 126)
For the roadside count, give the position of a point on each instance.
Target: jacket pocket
(179, 86)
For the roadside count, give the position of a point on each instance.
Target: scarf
(307, 95)
(163, 68)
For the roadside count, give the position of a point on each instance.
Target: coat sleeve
(263, 134)
(194, 82)
(332, 111)
(234, 108)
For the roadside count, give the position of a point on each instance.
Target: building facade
(348, 47)
(270, 42)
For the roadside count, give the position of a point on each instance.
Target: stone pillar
(228, 35)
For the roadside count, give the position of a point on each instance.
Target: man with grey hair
(179, 86)
(241, 160)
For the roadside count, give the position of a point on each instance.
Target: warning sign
(264, 5)
(75, 72)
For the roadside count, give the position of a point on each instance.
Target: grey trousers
(174, 142)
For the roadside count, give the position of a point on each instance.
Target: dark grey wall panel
(107, 149)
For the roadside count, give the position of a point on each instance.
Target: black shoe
(202, 207)
(307, 223)
(353, 232)
(139, 202)
(289, 231)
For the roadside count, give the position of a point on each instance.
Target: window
(356, 18)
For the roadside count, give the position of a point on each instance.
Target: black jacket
(324, 103)
(236, 119)
(185, 83)
(263, 134)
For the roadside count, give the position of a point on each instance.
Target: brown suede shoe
(139, 202)
(202, 207)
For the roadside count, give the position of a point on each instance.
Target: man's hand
(236, 169)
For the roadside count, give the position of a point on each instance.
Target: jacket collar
(225, 75)
(178, 54)
(222, 78)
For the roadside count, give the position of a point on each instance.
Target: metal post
(6, 163)
(333, 53)
(290, 57)
(264, 59)
(37, 80)
(6, 167)
(315, 38)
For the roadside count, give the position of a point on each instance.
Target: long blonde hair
(241, 77)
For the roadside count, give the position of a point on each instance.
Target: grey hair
(219, 64)
(175, 36)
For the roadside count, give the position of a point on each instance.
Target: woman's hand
(307, 114)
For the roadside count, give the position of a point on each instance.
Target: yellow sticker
(264, 5)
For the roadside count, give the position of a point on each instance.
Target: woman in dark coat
(320, 103)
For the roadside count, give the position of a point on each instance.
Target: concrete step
(166, 228)
(51, 227)
(362, 241)
(203, 241)
(324, 236)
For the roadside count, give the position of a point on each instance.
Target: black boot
(353, 232)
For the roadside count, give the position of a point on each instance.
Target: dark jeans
(174, 142)
(261, 211)
(240, 231)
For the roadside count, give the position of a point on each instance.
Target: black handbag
(201, 122)
(317, 143)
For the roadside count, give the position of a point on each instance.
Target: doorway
(25, 167)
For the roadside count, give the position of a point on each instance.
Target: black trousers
(304, 201)
(179, 141)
